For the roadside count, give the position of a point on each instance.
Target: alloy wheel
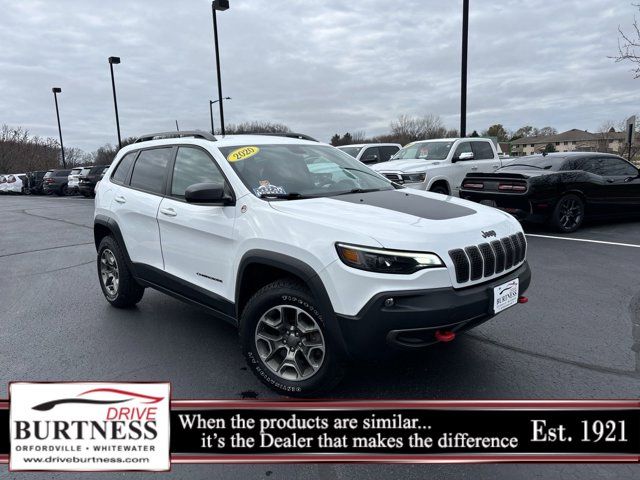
(570, 213)
(290, 343)
(109, 272)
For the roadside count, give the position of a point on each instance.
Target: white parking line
(584, 240)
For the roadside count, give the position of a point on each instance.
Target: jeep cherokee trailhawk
(314, 257)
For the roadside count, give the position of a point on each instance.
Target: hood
(404, 219)
(415, 165)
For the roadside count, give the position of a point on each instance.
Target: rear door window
(149, 171)
(482, 151)
(122, 169)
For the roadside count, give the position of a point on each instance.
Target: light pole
(56, 91)
(216, 5)
(116, 61)
(463, 88)
(211, 102)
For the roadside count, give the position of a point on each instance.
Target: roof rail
(185, 133)
(300, 136)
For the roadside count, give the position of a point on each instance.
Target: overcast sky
(319, 67)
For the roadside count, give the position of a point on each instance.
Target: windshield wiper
(359, 190)
(284, 196)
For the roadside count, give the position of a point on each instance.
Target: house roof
(573, 135)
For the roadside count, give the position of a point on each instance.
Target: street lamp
(116, 61)
(56, 91)
(463, 86)
(216, 5)
(211, 102)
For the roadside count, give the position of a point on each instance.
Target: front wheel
(439, 189)
(118, 285)
(286, 343)
(568, 215)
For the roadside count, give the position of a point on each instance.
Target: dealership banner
(94, 426)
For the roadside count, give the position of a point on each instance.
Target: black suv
(33, 184)
(89, 176)
(55, 181)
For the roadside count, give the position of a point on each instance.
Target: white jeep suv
(314, 257)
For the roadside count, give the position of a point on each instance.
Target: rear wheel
(118, 285)
(285, 341)
(568, 215)
(64, 191)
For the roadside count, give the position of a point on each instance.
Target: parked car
(34, 182)
(12, 183)
(370, 153)
(74, 177)
(560, 189)
(89, 178)
(440, 165)
(55, 182)
(313, 268)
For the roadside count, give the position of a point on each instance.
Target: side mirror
(463, 156)
(209, 193)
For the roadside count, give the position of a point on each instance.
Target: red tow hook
(523, 299)
(445, 336)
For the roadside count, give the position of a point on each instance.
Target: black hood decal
(416, 205)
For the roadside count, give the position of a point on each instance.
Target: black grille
(485, 260)
(476, 262)
(461, 264)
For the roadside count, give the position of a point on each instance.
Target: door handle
(120, 199)
(495, 166)
(169, 212)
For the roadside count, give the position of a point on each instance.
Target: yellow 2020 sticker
(242, 153)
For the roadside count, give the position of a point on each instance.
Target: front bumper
(416, 315)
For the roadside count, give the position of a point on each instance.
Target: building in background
(572, 141)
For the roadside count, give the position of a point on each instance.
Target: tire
(85, 194)
(439, 189)
(568, 214)
(294, 368)
(117, 284)
(63, 192)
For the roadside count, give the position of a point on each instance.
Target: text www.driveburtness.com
(54, 460)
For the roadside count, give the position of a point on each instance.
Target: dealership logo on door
(89, 426)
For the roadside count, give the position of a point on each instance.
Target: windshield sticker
(242, 153)
(266, 188)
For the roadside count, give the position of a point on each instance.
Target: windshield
(75, 171)
(300, 170)
(353, 151)
(85, 171)
(48, 174)
(424, 151)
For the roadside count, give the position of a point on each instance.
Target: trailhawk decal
(416, 205)
(242, 153)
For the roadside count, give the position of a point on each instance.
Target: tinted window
(48, 174)
(85, 171)
(193, 166)
(591, 165)
(387, 152)
(616, 167)
(76, 171)
(122, 169)
(370, 155)
(482, 151)
(353, 151)
(149, 170)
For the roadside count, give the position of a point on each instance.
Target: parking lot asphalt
(574, 339)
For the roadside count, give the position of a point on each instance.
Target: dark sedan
(560, 189)
(88, 179)
(55, 181)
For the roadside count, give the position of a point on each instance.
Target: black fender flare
(111, 225)
(302, 270)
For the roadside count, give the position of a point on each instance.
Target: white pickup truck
(440, 165)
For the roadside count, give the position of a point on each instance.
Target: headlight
(386, 261)
(414, 177)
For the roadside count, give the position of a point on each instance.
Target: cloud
(320, 67)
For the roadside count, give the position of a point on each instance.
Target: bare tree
(629, 45)
(256, 127)
(408, 129)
